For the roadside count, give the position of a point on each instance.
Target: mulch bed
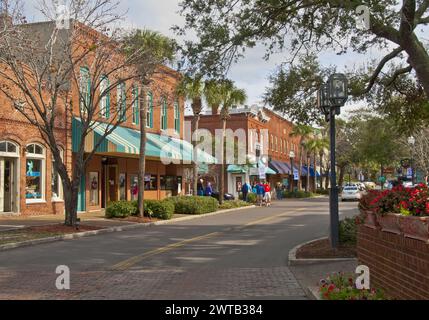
(137, 219)
(38, 232)
(59, 228)
(321, 249)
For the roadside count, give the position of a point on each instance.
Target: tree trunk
(307, 182)
(418, 58)
(222, 169)
(71, 190)
(300, 169)
(341, 176)
(321, 170)
(142, 153)
(315, 172)
(195, 175)
(327, 171)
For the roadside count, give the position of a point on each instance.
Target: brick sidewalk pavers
(156, 283)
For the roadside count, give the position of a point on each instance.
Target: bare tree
(67, 68)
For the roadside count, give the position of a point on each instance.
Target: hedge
(298, 194)
(234, 204)
(120, 209)
(194, 204)
(161, 209)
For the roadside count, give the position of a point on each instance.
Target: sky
(251, 73)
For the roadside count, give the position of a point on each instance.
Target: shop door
(112, 184)
(7, 185)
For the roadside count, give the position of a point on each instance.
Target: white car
(351, 193)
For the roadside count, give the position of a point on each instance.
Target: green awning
(235, 168)
(126, 140)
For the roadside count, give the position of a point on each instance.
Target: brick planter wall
(398, 265)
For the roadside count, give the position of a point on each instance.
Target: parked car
(226, 196)
(350, 193)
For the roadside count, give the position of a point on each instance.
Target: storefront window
(150, 182)
(34, 172)
(122, 186)
(168, 182)
(94, 194)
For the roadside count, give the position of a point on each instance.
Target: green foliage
(298, 194)
(233, 204)
(340, 286)
(194, 204)
(323, 191)
(161, 209)
(120, 209)
(251, 197)
(348, 231)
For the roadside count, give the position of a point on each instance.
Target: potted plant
(414, 219)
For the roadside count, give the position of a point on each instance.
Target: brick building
(265, 131)
(30, 185)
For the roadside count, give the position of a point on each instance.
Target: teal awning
(243, 168)
(126, 140)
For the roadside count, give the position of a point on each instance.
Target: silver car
(351, 193)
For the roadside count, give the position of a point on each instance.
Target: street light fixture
(332, 96)
(411, 142)
(291, 156)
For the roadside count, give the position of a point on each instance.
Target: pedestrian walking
(267, 195)
(209, 190)
(260, 194)
(279, 191)
(200, 188)
(245, 191)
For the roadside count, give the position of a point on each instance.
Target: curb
(294, 261)
(313, 293)
(132, 226)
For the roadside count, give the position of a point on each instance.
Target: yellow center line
(128, 263)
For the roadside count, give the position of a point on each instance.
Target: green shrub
(120, 209)
(298, 194)
(323, 191)
(251, 197)
(233, 204)
(160, 209)
(348, 231)
(194, 204)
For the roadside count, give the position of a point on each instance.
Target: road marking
(128, 263)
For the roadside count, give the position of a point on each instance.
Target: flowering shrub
(407, 201)
(341, 286)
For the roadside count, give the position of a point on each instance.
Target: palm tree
(193, 89)
(317, 146)
(229, 96)
(304, 132)
(146, 50)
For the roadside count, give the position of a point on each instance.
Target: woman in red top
(267, 189)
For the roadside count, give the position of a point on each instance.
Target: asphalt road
(237, 255)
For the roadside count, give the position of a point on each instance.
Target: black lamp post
(331, 97)
(291, 156)
(411, 142)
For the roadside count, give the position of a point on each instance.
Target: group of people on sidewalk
(262, 191)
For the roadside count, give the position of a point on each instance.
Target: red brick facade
(398, 265)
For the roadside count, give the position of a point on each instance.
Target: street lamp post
(291, 156)
(331, 97)
(411, 142)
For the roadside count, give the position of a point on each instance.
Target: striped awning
(279, 167)
(126, 140)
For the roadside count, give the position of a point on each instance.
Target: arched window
(149, 110)
(177, 116)
(164, 114)
(85, 89)
(56, 185)
(136, 105)
(8, 149)
(105, 99)
(35, 173)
